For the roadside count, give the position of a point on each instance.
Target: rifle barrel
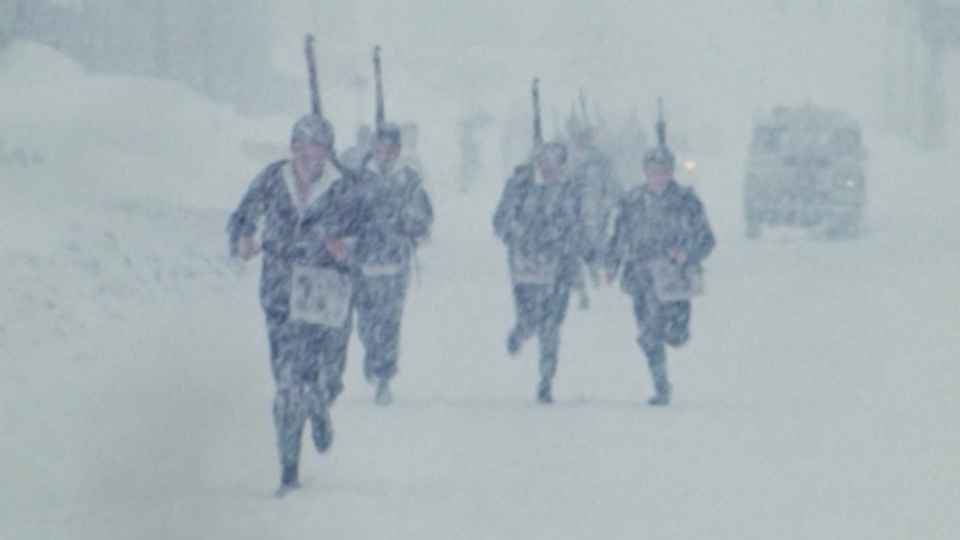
(315, 107)
(537, 124)
(381, 114)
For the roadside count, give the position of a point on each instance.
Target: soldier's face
(658, 175)
(309, 158)
(385, 153)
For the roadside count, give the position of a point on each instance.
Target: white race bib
(320, 296)
(538, 269)
(675, 282)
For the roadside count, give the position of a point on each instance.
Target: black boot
(544, 394)
(384, 396)
(514, 342)
(322, 428)
(288, 480)
(662, 397)
(657, 362)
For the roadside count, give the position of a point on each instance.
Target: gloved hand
(336, 248)
(247, 248)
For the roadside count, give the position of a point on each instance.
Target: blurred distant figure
(353, 157)
(600, 192)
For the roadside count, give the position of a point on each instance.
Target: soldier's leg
(553, 312)
(657, 362)
(647, 311)
(289, 411)
(366, 296)
(336, 362)
(580, 285)
(381, 366)
(525, 299)
(325, 347)
(676, 322)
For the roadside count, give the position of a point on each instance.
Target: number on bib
(320, 296)
(538, 268)
(674, 282)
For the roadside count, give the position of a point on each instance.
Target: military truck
(806, 169)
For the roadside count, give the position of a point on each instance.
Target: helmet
(659, 154)
(314, 129)
(389, 132)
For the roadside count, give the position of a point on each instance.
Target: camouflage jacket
(542, 227)
(395, 217)
(595, 174)
(649, 224)
(292, 235)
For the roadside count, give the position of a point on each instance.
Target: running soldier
(396, 218)
(354, 156)
(661, 225)
(538, 218)
(600, 189)
(305, 285)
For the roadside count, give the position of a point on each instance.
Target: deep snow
(819, 397)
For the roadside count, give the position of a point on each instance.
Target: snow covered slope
(819, 397)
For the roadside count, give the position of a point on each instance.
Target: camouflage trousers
(540, 311)
(304, 359)
(379, 302)
(660, 324)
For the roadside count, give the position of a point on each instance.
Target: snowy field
(818, 399)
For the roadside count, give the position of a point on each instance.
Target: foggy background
(891, 63)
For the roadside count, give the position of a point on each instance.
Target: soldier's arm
(505, 215)
(701, 241)
(416, 214)
(244, 220)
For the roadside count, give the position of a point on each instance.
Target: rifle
(315, 106)
(380, 122)
(381, 115)
(537, 125)
(312, 74)
(583, 108)
(661, 124)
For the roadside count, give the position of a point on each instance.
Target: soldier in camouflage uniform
(354, 156)
(658, 221)
(538, 218)
(600, 192)
(396, 217)
(305, 286)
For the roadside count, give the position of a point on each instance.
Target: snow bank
(115, 192)
(99, 136)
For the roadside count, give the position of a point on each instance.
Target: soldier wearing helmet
(662, 227)
(538, 219)
(305, 287)
(397, 217)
